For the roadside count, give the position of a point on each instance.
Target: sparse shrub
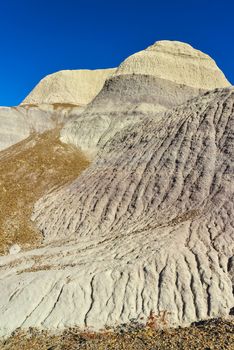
(156, 321)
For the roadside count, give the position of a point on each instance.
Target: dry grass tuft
(64, 105)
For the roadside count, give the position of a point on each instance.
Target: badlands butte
(117, 196)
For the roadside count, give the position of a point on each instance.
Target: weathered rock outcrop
(177, 62)
(51, 102)
(76, 87)
(18, 123)
(147, 227)
(164, 75)
(124, 100)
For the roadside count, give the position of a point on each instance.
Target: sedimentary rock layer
(77, 87)
(177, 62)
(18, 123)
(124, 100)
(164, 75)
(51, 102)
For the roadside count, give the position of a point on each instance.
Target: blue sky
(38, 37)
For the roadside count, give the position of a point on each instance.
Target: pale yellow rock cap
(178, 62)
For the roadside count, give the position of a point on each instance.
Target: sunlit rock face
(164, 75)
(76, 87)
(177, 62)
(56, 97)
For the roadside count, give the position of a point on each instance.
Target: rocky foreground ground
(215, 334)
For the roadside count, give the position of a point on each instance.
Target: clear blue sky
(38, 37)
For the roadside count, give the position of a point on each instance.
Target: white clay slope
(17, 123)
(124, 100)
(76, 87)
(52, 101)
(178, 62)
